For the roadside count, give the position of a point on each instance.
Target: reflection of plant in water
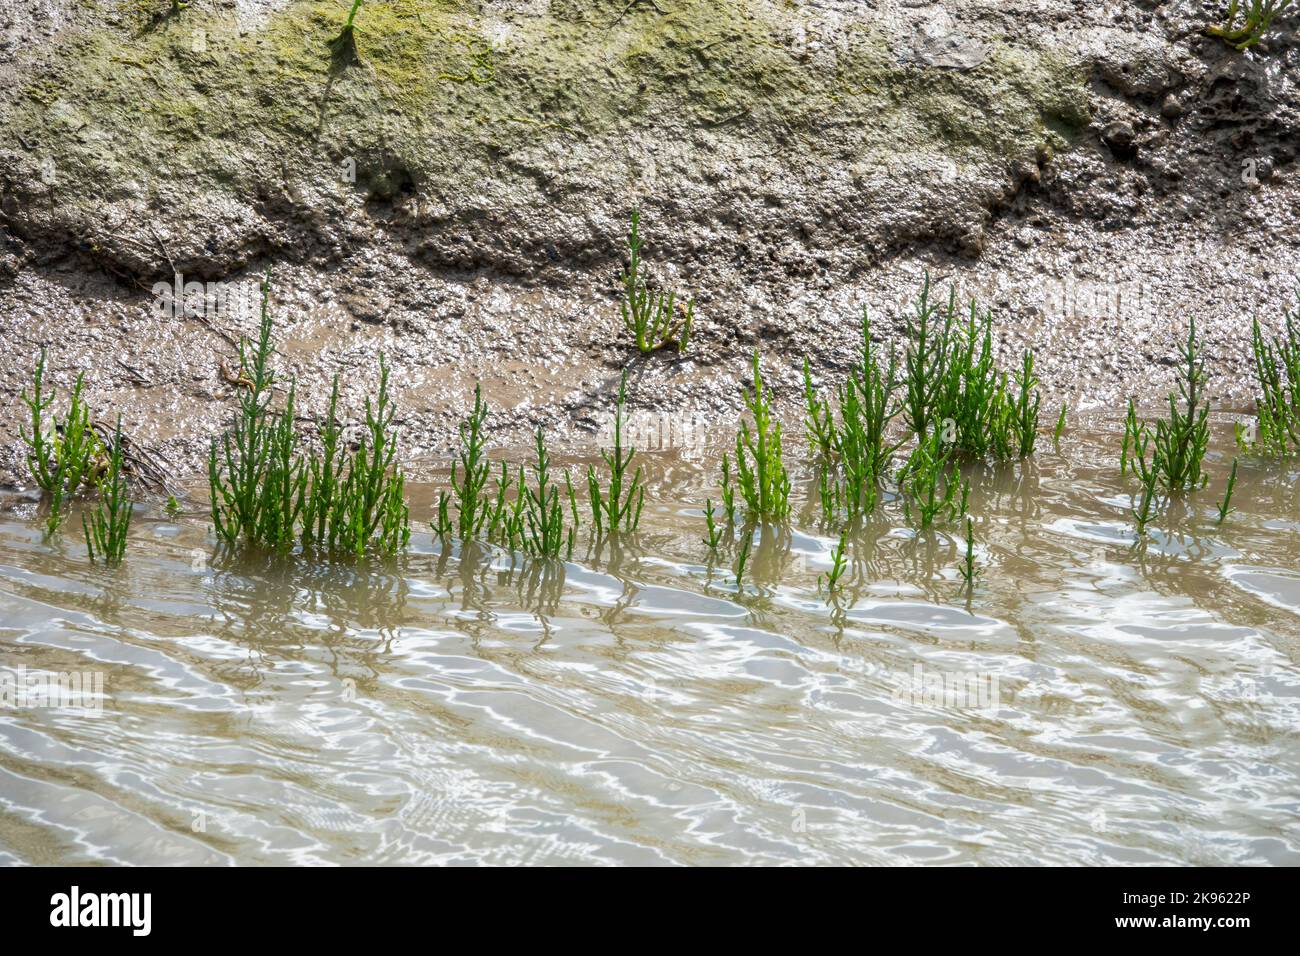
(541, 586)
(968, 570)
(274, 608)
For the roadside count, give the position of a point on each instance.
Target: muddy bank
(458, 196)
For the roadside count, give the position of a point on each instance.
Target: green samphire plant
(851, 452)
(952, 383)
(266, 494)
(760, 470)
(1176, 445)
(63, 453)
(107, 525)
(1256, 18)
(255, 480)
(616, 505)
(546, 535)
(648, 314)
(1277, 370)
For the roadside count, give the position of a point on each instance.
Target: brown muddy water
(1092, 701)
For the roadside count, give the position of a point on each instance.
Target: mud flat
(457, 196)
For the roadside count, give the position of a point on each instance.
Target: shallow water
(1109, 704)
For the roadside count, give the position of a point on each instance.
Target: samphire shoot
(62, 454)
(1277, 369)
(1225, 506)
(1256, 17)
(760, 471)
(1177, 444)
(617, 506)
(107, 525)
(651, 315)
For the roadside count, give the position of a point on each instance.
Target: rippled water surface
(1104, 703)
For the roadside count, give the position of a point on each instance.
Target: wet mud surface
(1095, 174)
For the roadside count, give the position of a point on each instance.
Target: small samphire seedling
(107, 525)
(617, 507)
(469, 475)
(714, 530)
(1225, 506)
(742, 559)
(1144, 512)
(760, 470)
(838, 564)
(1256, 17)
(650, 315)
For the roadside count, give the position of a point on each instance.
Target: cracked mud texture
(457, 196)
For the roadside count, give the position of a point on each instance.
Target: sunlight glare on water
(1115, 704)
